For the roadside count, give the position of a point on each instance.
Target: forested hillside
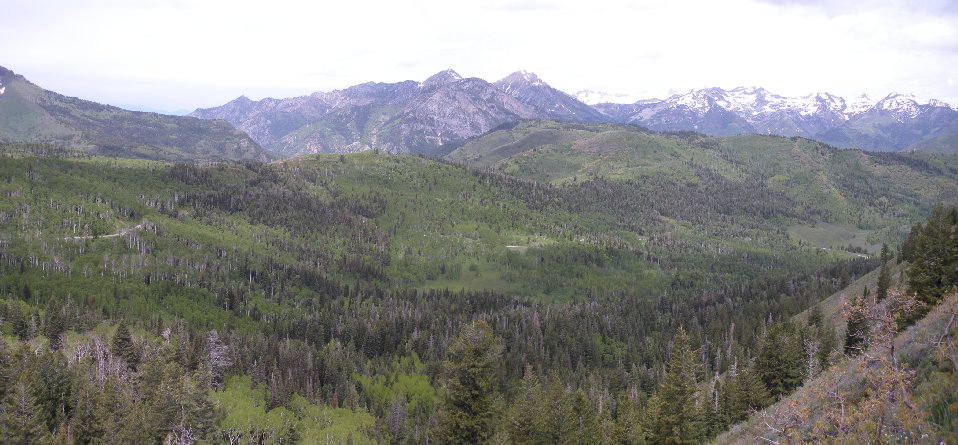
(340, 297)
(864, 198)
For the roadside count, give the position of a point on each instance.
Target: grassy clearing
(834, 236)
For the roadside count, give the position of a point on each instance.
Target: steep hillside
(902, 389)
(29, 113)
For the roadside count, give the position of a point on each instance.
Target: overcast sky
(180, 55)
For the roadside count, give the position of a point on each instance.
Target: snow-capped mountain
(892, 123)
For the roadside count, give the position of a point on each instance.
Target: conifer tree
(630, 420)
(583, 419)
(932, 270)
(85, 424)
(7, 372)
(717, 415)
(884, 282)
(122, 345)
(17, 320)
(679, 419)
(525, 418)
(779, 363)
(54, 390)
(856, 333)
(21, 420)
(53, 324)
(885, 253)
(466, 410)
(557, 412)
(747, 392)
(907, 252)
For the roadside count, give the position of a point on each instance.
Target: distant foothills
(440, 114)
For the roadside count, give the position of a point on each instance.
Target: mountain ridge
(29, 113)
(892, 123)
(393, 116)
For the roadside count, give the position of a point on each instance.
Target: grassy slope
(833, 306)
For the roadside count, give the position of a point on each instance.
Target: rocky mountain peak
(441, 78)
(520, 79)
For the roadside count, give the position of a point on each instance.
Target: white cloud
(175, 55)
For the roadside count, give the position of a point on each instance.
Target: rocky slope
(548, 102)
(431, 117)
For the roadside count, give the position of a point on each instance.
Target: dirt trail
(120, 233)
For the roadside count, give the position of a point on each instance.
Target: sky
(179, 55)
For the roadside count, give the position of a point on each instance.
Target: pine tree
(53, 324)
(747, 392)
(907, 252)
(856, 333)
(7, 371)
(466, 410)
(85, 424)
(54, 391)
(557, 412)
(884, 282)
(780, 362)
(630, 420)
(122, 345)
(886, 255)
(525, 417)
(716, 417)
(828, 342)
(583, 419)
(21, 420)
(17, 320)
(679, 419)
(932, 271)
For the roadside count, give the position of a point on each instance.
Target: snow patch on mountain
(532, 78)
(860, 104)
(441, 78)
(755, 104)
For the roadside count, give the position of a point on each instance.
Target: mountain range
(444, 111)
(32, 114)
(893, 123)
